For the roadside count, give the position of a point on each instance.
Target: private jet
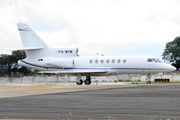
(41, 57)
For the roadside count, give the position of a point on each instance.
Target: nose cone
(169, 68)
(173, 68)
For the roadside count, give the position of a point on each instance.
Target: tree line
(9, 66)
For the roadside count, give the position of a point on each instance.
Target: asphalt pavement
(123, 102)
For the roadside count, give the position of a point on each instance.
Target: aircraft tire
(80, 82)
(148, 82)
(87, 82)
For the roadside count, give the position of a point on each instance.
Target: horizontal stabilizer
(74, 72)
(24, 48)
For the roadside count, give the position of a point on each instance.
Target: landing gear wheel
(148, 82)
(87, 82)
(80, 82)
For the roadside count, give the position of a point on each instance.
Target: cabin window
(40, 59)
(107, 61)
(119, 61)
(90, 61)
(102, 61)
(149, 60)
(124, 61)
(113, 61)
(96, 61)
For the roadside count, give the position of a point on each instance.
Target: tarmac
(67, 101)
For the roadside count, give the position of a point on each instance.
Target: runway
(123, 102)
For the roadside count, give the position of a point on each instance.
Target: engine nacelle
(63, 63)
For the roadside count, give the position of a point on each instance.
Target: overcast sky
(109, 27)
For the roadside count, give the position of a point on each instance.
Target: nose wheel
(148, 82)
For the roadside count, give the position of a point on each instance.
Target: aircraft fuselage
(112, 64)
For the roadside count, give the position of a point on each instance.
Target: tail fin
(34, 46)
(29, 37)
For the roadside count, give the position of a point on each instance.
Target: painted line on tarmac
(19, 88)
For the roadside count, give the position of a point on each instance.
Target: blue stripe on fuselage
(38, 65)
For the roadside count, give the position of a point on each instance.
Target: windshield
(159, 60)
(154, 60)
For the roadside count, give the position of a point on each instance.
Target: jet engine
(63, 63)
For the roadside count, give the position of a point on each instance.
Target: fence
(70, 78)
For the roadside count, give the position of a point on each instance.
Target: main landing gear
(80, 82)
(88, 80)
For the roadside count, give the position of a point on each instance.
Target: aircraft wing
(74, 72)
(24, 48)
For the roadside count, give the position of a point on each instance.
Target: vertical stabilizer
(29, 37)
(30, 41)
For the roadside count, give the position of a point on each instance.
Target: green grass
(145, 82)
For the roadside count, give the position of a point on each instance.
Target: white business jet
(66, 60)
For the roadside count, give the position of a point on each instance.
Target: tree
(8, 63)
(4, 64)
(17, 55)
(172, 52)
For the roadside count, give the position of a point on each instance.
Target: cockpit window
(159, 60)
(149, 60)
(155, 60)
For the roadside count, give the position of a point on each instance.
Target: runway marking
(19, 88)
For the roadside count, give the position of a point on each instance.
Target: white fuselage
(112, 64)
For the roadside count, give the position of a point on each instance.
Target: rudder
(29, 37)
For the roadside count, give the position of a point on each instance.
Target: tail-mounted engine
(62, 63)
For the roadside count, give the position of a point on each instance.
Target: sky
(108, 27)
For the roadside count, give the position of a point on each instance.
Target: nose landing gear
(148, 82)
(148, 79)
